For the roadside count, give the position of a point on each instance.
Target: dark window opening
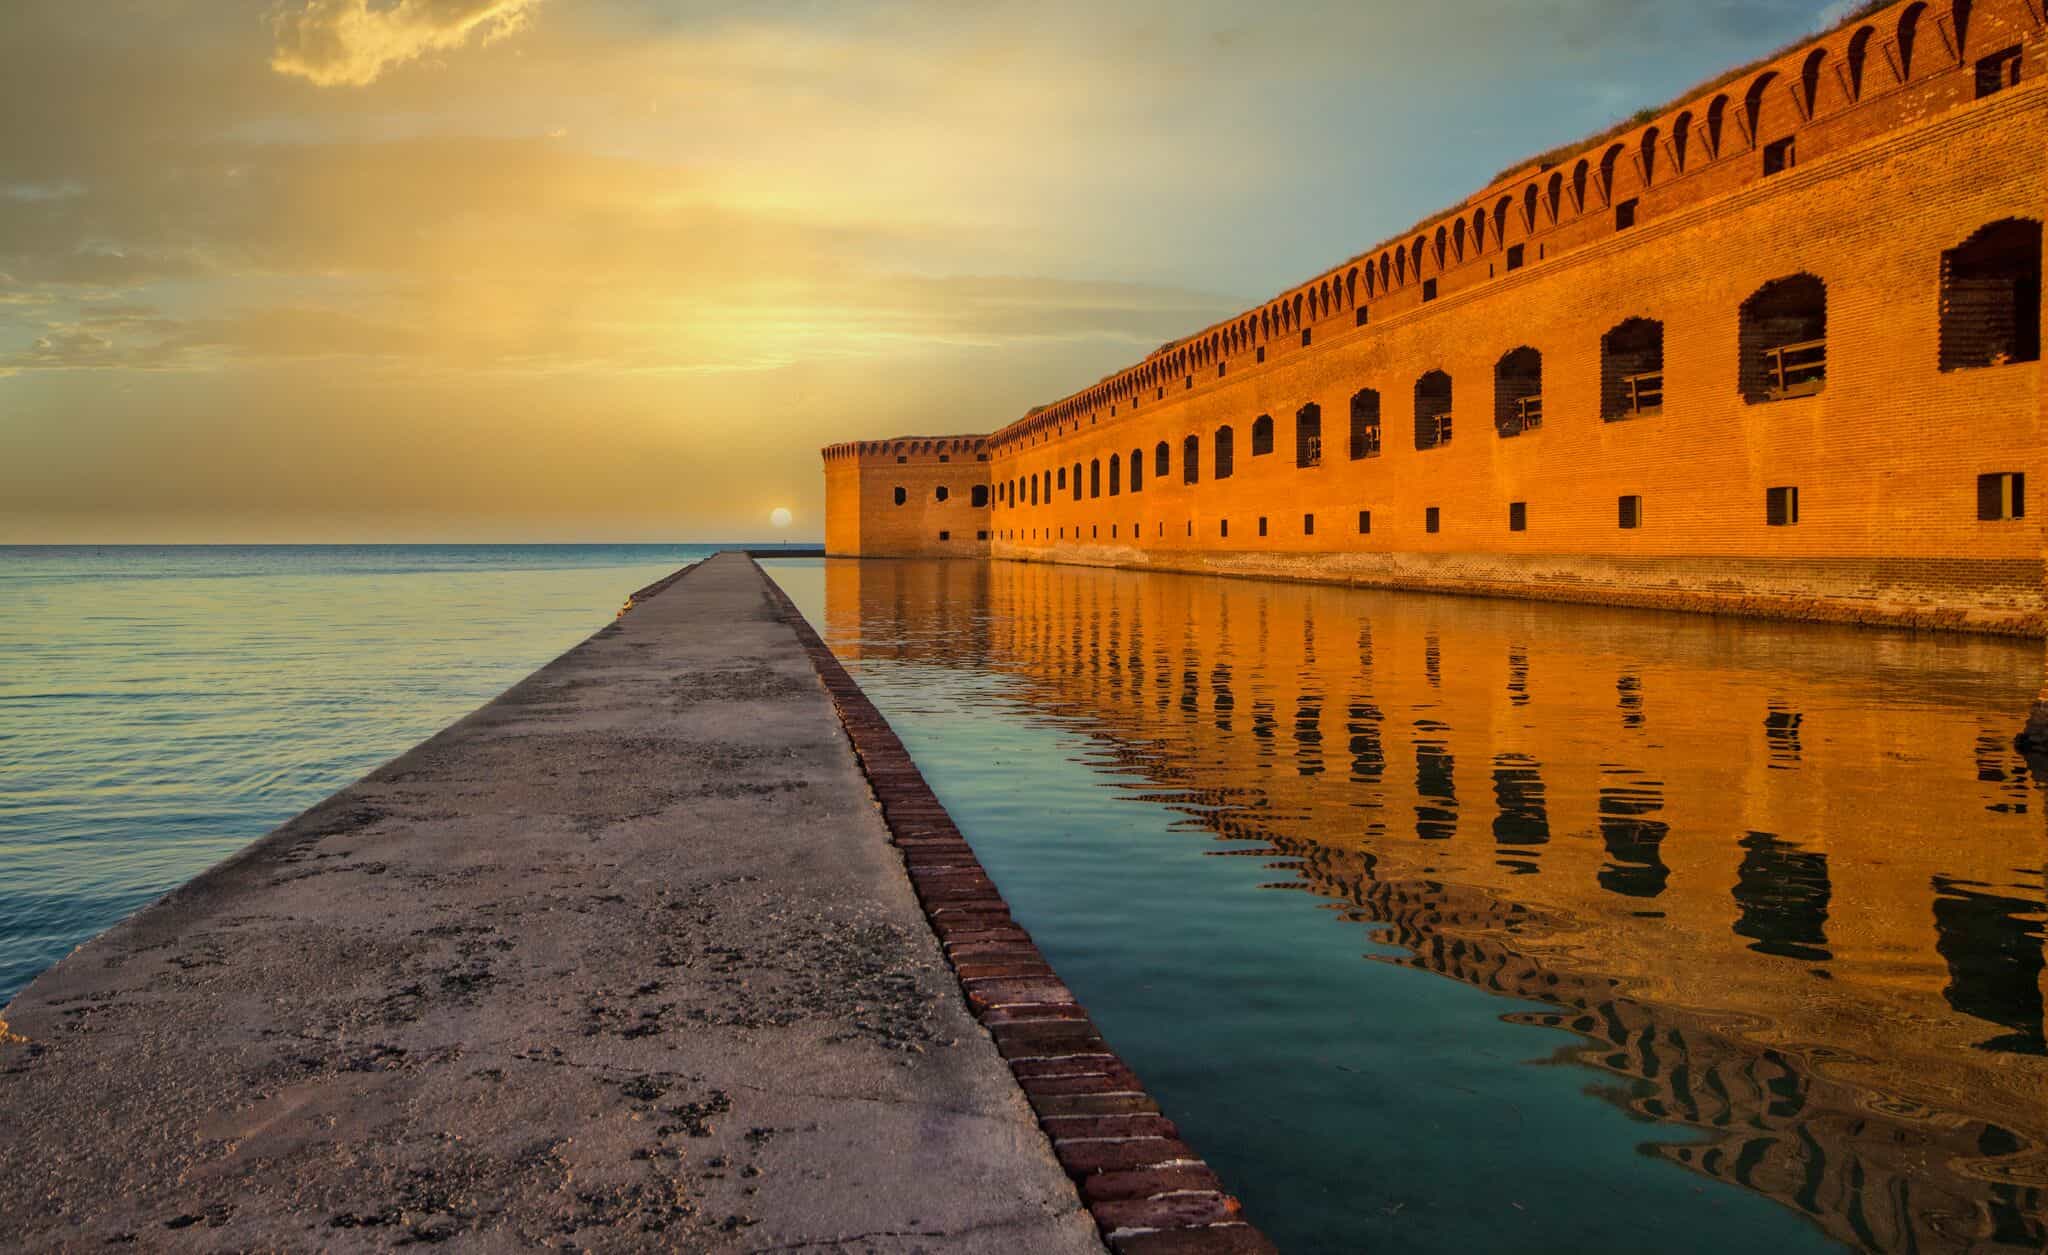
(1781, 506)
(1632, 370)
(1779, 156)
(1991, 297)
(1225, 460)
(1308, 524)
(1432, 410)
(1077, 481)
(1225, 525)
(981, 535)
(1219, 369)
(1784, 343)
(1308, 435)
(1625, 214)
(1998, 71)
(940, 492)
(1304, 337)
(902, 496)
(1116, 475)
(1432, 520)
(1365, 522)
(1094, 477)
(1365, 424)
(1063, 477)
(945, 457)
(1162, 460)
(1189, 383)
(1359, 316)
(979, 496)
(1429, 289)
(1630, 512)
(1261, 353)
(1518, 392)
(1515, 253)
(900, 459)
(1137, 469)
(1191, 460)
(1518, 516)
(945, 535)
(1262, 525)
(2002, 495)
(1262, 435)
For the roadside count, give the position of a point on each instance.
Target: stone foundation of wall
(1997, 596)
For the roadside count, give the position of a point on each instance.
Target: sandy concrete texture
(622, 960)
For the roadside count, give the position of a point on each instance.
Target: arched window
(1162, 460)
(1308, 435)
(902, 496)
(1809, 80)
(1858, 57)
(1991, 297)
(1632, 370)
(1753, 104)
(1262, 435)
(1094, 478)
(979, 496)
(1077, 481)
(1432, 410)
(1034, 490)
(1063, 477)
(1191, 460)
(1365, 424)
(1518, 392)
(1783, 343)
(1116, 475)
(1225, 461)
(1137, 469)
(1909, 32)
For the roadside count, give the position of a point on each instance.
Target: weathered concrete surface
(624, 959)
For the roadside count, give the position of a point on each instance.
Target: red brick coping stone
(1149, 1192)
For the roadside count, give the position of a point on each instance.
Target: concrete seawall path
(623, 959)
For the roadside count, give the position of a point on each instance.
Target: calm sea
(161, 706)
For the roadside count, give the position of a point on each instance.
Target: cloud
(347, 43)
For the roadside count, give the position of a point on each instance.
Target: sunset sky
(337, 270)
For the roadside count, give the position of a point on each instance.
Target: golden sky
(350, 270)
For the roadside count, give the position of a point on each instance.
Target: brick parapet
(1149, 1192)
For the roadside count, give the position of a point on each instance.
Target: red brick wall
(863, 517)
(1885, 457)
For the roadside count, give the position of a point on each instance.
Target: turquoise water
(160, 707)
(1444, 925)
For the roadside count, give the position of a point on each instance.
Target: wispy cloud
(347, 43)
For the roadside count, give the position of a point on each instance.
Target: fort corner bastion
(1774, 350)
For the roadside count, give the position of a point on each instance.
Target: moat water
(1452, 925)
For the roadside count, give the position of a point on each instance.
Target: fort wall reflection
(1786, 880)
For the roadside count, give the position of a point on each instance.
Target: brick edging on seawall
(1149, 1192)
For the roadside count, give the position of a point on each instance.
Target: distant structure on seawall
(1774, 351)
